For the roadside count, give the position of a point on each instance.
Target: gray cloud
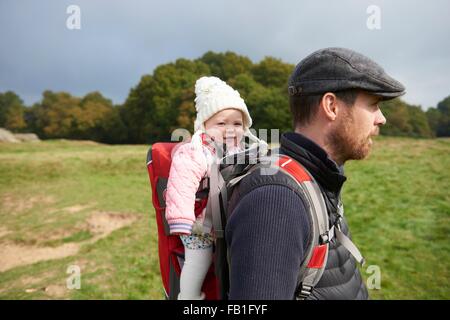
(119, 41)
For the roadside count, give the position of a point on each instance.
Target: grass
(397, 203)
(398, 206)
(40, 181)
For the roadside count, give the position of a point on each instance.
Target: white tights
(195, 267)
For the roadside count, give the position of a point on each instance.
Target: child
(223, 119)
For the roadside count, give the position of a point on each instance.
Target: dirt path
(100, 224)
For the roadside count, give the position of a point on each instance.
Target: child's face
(226, 126)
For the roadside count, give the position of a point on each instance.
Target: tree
(269, 109)
(138, 111)
(12, 112)
(113, 128)
(164, 100)
(226, 65)
(187, 112)
(268, 106)
(419, 123)
(245, 84)
(89, 116)
(444, 106)
(272, 72)
(443, 127)
(403, 119)
(152, 109)
(55, 115)
(434, 116)
(397, 117)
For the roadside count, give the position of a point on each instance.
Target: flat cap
(336, 69)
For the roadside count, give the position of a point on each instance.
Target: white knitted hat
(214, 95)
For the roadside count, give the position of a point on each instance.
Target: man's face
(355, 126)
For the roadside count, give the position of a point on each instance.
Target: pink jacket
(190, 164)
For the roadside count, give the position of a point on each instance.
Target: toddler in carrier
(222, 121)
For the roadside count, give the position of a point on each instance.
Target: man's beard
(347, 143)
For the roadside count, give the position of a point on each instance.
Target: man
(333, 95)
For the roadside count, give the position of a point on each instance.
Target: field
(79, 203)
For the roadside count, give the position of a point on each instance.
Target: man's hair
(305, 107)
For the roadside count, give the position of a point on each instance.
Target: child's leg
(197, 259)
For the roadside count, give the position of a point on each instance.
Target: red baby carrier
(218, 187)
(170, 247)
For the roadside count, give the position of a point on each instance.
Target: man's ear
(329, 106)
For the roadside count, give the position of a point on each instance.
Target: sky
(120, 41)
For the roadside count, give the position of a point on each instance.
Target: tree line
(164, 100)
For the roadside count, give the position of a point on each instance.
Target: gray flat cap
(336, 69)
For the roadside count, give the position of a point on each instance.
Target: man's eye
(238, 124)
(221, 123)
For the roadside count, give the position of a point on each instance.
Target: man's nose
(380, 119)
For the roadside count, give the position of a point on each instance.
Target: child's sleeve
(189, 166)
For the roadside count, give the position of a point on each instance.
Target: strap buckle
(338, 221)
(324, 238)
(327, 236)
(303, 292)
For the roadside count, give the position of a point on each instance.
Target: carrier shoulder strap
(316, 255)
(315, 262)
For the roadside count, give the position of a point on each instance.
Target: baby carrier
(217, 189)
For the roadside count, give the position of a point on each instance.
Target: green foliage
(226, 65)
(443, 122)
(272, 72)
(403, 119)
(444, 106)
(269, 109)
(55, 115)
(439, 118)
(434, 117)
(164, 101)
(12, 112)
(152, 109)
(60, 115)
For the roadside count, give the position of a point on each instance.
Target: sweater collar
(315, 159)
